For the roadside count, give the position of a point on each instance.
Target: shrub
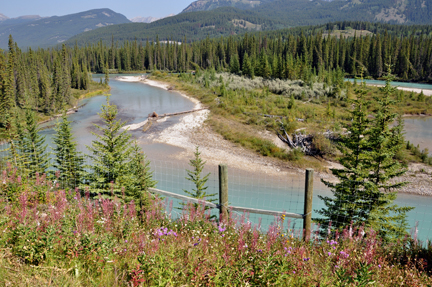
(323, 145)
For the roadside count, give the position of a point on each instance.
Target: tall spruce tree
(247, 66)
(35, 147)
(110, 152)
(234, 64)
(67, 160)
(8, 101)
(139, 178)
(350, 202)
(385, 141)
(363, 195)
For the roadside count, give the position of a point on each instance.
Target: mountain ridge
(54, 30)
(149, 19)
(391, 11)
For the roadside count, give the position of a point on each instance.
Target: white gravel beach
(415, 90)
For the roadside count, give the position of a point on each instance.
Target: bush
(323, 145)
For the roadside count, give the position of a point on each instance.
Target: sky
(129, 8)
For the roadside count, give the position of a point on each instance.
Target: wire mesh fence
(263, 191)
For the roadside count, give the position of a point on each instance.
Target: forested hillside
(45, 81)
(271, 15)
(292, 53)
(6, 21)
(194, 26)
(54, 30)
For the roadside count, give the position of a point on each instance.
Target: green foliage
(234, 64)
(139, 179)
(421, 97)
(363, 195)
(110, 152)
(67, 160)
(28, 148)
(73, 241)
(384, 142)
(196, 177)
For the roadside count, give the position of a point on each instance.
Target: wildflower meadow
(55, 237)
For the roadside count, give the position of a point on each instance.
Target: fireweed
(51, 234)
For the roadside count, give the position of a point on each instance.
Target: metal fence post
(307, 215)
(223, 192)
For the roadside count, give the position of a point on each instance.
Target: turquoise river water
(265, 191)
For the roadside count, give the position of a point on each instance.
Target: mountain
(51, 31)
(3, 17)
(194, 26)
(19, 20)
(206, 5)
(148, 19)
(144, 19)
(311, 12)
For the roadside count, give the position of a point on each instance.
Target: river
(257, 190)
(396, 84)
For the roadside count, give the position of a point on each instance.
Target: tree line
(42, 79)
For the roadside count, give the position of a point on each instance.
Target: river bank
(192, 131)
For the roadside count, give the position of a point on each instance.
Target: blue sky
(129, 8)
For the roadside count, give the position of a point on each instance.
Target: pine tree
(140, 178)
(106, 74)
(247, 66)
(363, 194)
(421, 97)
(385, 141)
(7, 101)
(67, 160)
(195, 176)
(351, 195)
(234, 64)
(110, 152)
(34, 145)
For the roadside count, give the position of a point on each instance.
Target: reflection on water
(418, 131)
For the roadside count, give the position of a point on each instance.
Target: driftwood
(305, 142)
(298, 141)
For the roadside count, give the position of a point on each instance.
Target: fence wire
(274, 192)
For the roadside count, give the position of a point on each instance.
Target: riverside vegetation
(47, 81)
(243, 108)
